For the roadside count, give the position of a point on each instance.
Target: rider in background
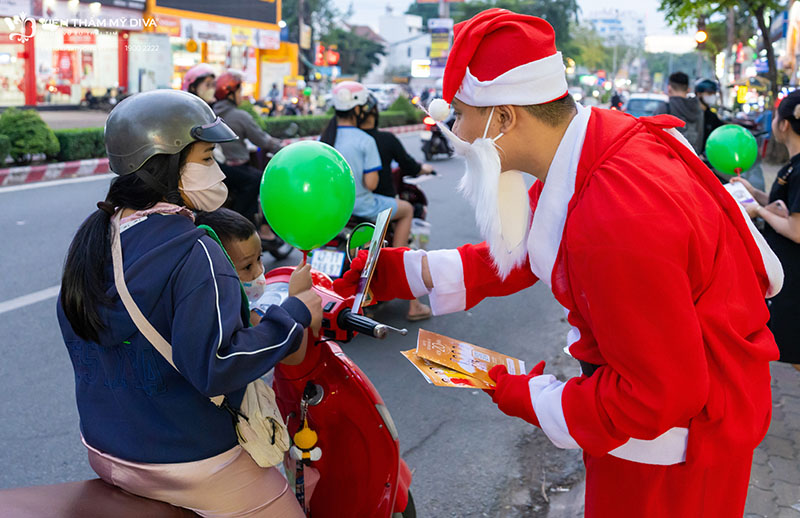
(391, 150)
(201, 81)
(707, 92)
(242, 177)
(350, 101)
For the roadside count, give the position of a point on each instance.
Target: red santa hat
(499, 57)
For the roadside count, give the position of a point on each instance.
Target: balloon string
(305, 256)
(738, 171)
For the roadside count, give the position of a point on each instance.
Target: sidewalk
(774, 490)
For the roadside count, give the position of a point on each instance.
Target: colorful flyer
(442, 376)
(464, 357)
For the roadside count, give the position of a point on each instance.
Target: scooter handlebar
(360, 324)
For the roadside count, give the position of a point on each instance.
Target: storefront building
(241, 35)
(53, 51)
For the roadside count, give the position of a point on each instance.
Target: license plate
(426, 135)
(329, 262)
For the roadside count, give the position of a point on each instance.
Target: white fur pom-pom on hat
(439, 110)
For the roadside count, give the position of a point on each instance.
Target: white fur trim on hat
(537, 82)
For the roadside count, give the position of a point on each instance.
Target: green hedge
(80, 143)
(413, 114)
(28, 135)
(84, 143)
(5, 149)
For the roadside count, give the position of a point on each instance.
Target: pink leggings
(230, 484)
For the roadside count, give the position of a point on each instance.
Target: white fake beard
(500, 200)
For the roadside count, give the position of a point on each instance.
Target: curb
(55, 171)
(92, 166)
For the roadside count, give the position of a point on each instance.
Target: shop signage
(263, 11)
(80, 37)
(170, 25)
(441, 34)
(270, 40)
(244, 36)
(205, 31)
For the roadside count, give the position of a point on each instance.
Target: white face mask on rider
(206, 93)
(202, 185)
(709, 99)
(500, 199)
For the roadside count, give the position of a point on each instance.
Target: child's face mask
(255, 287)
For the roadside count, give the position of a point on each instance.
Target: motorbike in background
(433, 140)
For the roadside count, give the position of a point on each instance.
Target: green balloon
(307, 193)
(307, 91)
(731, 149)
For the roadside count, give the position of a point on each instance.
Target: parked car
(642, 105)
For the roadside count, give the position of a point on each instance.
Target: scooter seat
(355, 220)
(85, 499)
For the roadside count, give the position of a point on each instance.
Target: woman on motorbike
(200, 80)
(150, 428)
(241, 177)
(781, 212)
(350, 100)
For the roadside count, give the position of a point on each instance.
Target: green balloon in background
(307, 91)
(307, 193)
(731, 149)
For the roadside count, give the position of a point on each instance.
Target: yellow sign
(191, 46)
(741, 95)
(243, 36)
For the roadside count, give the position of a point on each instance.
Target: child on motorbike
(241, 242)
(350, 100)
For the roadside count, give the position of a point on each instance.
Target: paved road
(468, 459)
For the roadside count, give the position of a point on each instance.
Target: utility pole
(444, 9)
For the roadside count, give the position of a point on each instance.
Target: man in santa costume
(661, 274)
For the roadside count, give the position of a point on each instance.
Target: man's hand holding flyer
(446, 362)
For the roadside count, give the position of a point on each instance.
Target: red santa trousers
(617, 488)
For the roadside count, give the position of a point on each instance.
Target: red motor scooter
(361, 472)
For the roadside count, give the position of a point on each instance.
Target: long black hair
(329, 134)
(83, 284)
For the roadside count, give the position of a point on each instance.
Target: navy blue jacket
(132, 403)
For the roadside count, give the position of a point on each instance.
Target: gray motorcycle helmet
(159, 121)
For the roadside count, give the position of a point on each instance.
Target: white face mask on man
(500, 199)
(709, 99)
(206, 93)
(202, 185)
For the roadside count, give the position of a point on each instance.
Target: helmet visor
(216, 131)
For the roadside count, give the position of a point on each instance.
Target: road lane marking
(30, 298)
(53, 183)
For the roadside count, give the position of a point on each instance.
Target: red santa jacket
(663, 278)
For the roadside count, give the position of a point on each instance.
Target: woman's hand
(752, 209)
(314, 304)
(747, 185)
(300, 280)
(426, 169)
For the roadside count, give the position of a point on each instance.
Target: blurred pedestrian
(686, 109)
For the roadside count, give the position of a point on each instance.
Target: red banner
(79, 37)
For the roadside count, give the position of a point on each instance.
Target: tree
(588, 49)
(683, 14)
(357, 55)
(558, 14)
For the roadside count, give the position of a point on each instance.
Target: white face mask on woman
(206, 93)
(202, 185)
(500, 199)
